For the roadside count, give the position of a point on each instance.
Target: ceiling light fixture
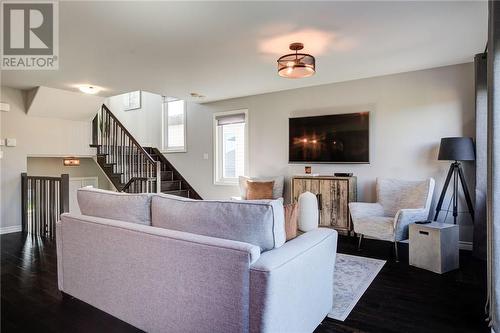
(87, 89)
(296, 65)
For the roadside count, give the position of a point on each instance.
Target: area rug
(353, 275)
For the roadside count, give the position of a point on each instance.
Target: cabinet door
(342, 216)
(327, 213)
(334, 201)
(301, 185)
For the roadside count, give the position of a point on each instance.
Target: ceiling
(229, 49)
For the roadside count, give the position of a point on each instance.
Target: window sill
(174, 151)
(226, 183)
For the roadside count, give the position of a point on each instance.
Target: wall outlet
(11, 142)
(205, 156)
(2, 142)
(4, 107)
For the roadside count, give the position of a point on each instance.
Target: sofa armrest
(364, 209)
(291, 288)
(406, 216)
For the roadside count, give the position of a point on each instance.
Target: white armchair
(399, 203)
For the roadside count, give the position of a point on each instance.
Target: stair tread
(181, 193)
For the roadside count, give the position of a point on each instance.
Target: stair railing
(138, 170)
(44, 199)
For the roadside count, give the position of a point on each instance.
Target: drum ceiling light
(296, 65)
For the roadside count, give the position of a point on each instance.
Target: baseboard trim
(8, 230)
(465, 245)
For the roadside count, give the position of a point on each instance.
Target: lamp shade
(296, 65)
(456, 149)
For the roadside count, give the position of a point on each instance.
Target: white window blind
(230, 119)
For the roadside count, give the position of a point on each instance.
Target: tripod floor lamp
(456, 149)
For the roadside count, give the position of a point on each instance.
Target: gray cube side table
(434, 246)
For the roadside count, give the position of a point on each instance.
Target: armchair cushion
(364, 209)
(379, 227)
(395, 194)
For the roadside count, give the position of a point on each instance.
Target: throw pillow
(291, 219)
(277, 188)
(259, 190)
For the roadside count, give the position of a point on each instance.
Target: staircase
(129, 166)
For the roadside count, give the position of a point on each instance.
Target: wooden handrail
(44, 177)
(124, 129)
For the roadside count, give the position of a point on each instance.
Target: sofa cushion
(135, 208)
(260, 223)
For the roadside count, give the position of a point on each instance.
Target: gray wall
(410, 113)
(53, 166)
(36, 136)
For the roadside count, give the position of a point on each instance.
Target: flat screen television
(337, 138)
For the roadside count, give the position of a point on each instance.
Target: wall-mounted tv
(337, 138)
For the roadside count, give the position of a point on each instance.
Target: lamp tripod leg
(466, 192)
(443, 192)
(455, 196)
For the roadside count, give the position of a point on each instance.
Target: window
(231, 151)
(174, 125)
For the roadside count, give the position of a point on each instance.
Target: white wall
(36, 136)
(145, 123)
(410, 113)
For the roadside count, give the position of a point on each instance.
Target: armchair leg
(396, 251)
(359, 241)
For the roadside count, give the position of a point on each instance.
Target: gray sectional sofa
(168, 264)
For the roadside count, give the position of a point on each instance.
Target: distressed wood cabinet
(334, 195)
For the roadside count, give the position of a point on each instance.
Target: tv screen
(338, 138)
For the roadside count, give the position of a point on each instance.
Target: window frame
(128, 106)
(217, 148)
(164, 132)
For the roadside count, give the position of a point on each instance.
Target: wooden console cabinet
(334, 195)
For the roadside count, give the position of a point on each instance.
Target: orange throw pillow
(291, 218)
(259, 190)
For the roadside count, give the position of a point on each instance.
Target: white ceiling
(63, 104)
(229, 49)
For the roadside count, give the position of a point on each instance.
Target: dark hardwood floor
(400, 299)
